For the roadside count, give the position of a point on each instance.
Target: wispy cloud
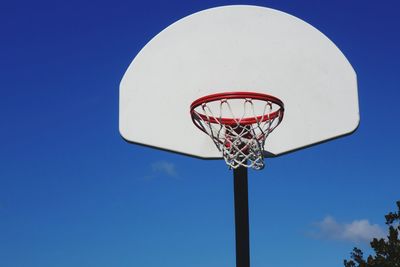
(164, 167)
(357, 231)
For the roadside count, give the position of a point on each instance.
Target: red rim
(237, 95)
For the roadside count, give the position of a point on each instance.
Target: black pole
(241, 217)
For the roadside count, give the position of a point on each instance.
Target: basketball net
(239, 132)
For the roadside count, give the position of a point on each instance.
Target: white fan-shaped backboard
(238, 48)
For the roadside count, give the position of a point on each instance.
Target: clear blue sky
(73, 193)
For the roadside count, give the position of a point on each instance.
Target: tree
(387, 251)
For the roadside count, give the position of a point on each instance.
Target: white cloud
(164, 167)
(356, 231)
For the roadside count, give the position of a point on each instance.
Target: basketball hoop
(238, 124)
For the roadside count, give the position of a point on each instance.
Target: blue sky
(73, 193)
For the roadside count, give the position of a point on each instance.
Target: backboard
(238, 48)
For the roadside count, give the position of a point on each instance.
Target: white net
(239, 128)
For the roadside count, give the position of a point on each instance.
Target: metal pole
(241, 217)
